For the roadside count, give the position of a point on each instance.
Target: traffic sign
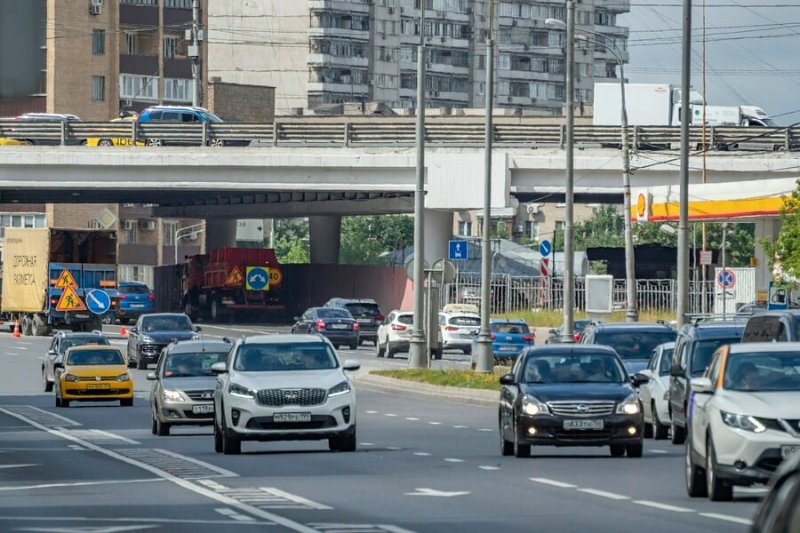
(545, 248)
(98, 302)
(778, 299)
(66, 280)
(257, 279)
(459, 251)
(706, 257)
(275, 277)
(70, 301)
(235, 278)
(726, 279)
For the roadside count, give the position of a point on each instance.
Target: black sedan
(154, 332)
(338, 325)
(578, 327)
(570, 395)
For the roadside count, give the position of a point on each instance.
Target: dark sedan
(577, 330)
(154, 332)
(570, 395)
(338, 325)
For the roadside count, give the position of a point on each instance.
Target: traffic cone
(123, 331)
(16, 329)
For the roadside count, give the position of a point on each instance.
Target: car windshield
(94, 357)
(68, 342)
(210, 117)
(282, 357)
(584, 368)
(166, 323)
(465, 321)
(133, 289)
(635, 344)
(333, 313)
(666, 362)
(763, 372)
(363, 309)
(509, 328)
(190, 365)
(703, 350)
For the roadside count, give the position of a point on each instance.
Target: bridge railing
(392, 132)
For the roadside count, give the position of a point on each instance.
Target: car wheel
(520, 450)
(354, 346)
(126, 402)
(718, 489)
(635, 450)
(389, 351)
(660, 431)
(381, 350)
(217, 438)
(343, 443)
(162, 429)
(695, 475)
(154, 142)
(437, 354)
(124, 321)
(215, 142)
(335, 346)
(678, 434)
(230, 445)
(648, 429)
(48, 385)
(506, 447)
(153, 428)
(617, 450)
(105, 142)
(141, 363)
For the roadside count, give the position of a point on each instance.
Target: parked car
(509, 338)
(63, 340)
(773, 326)
(655, 393)
(744, 418)
(183, 384)
(459, 330)
(134, 299)
(284, 387)
(184, 115)
(577, 331)
(154, 332)
(42, 118)
(570, 395)
(94, 374)
(395, 333)
(695, 345)
(779, 511)
(634, 342)
(338, 325)
(366, 312)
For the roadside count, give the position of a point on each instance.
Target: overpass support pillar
(326, 235)
(220, 233)
(438, 233)
(765, 228)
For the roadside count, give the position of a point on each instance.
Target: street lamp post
(683, 224)
(185, 232)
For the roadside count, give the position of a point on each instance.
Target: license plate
(200, 409)
(583, 424)
(95, 386)
(137, 306)
(291, 417)
(364, 321)
(338, 326)
(789, 451)
(81, 315)
(508, 348)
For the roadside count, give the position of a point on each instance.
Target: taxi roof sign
(66, 280)
(70, 301)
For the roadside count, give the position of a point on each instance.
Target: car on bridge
(108, 140)
(34, 137)
(178, 115)
(62, 341)
(94, 374)
(154, 332)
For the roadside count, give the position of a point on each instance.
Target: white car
(743, 417)
(458, 330)
(284, 387)
(655, 393)
(395, 333)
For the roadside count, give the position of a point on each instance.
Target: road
(422, 466)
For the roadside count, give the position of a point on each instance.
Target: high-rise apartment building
(317, 52)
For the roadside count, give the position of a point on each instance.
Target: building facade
(318, 52)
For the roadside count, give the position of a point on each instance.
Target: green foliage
(366, 238)
(604, 229)
(740, 240)
(788, 243)
(292, 241)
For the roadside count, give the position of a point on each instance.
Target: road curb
(424, 391)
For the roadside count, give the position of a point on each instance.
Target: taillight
(576, 336)
(356, 327)
(122, 297)
(451, 328)
(320, 324)
(494, 336)
(527, 338)
(151, 296)
(379, 318)
(53, 301)
(399, 327)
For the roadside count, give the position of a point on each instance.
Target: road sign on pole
(98, 301)
(726, 279)
(545, 248)
(459, 251)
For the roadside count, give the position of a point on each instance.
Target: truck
(58, 278)
(745, 116)
(233, 284)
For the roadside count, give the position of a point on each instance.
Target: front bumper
(149, 352)
(182, 413)
(549, 431)
(746, 457)
(81, 391)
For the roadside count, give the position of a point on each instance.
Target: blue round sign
(257, 278)
(98, 301)
(545, 248)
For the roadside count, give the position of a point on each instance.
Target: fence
(518, 293)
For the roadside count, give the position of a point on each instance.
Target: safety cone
(123, 331)
(16, 329)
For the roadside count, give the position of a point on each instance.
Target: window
(98, 88)
(130, 44)
(133, 87)
(505, 62)
(178, 4)
(170, 227)
(98, 42)
(170, 47)
(30, 220)
(465, 228)
(178, 90)
(131, 233)
(532, 229)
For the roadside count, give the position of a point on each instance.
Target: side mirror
(639, 379)
(52, 352)
(58, 365)
(151, 376)
(508, 379)
(198, 329)
(702, 385)
(134, 329)
(351, 365)
(219, 368)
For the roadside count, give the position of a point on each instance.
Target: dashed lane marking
(489, 467)
(358, 528)
(422, 454)
(372, 412)
(366, 444)
(79, 484)
(391, 414)
(99, 436)
(553, 482)
(412, 419)
(202, 464)
(177, 465)
(454, 460)
(485, 430)
(18, 466)
(726, 518)
(663, 506)
(460, 427)
(40, 416)
(435, 423)
(657, 451)
(604, 494)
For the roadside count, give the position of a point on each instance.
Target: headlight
(195, 337)
(172, 396)
(240, 392)
(532, 406)
(338, 390)
(147, 339)
(630, 406)
(124, 377)
(70, 377)
(747, 423)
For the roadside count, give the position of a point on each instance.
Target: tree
(292, 241)
(784, 249)
(365, 239)
(605, 228)
(740, 240)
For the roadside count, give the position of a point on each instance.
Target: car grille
(152, 349)
(582, 436)
(198, 395)
(265, 422)
(93, 378)
(281, 397)
(581, 409)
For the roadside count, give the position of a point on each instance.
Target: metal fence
(520, 293)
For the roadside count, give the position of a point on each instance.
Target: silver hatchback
(183, 384)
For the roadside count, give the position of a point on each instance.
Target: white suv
(743, 417)
(284, 387)
(458, 330)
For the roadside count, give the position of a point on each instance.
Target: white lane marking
(489, 467)
(734, 519)
(366, 444)
(18, 466)
(106, 529)
(20, 348)
(77, 448)
(604, 494)
(114, 436)
(664, 506)
(280, 520)
(393, 448)
(48, 413)
(411, 418)
(218, 470)
(422, 454)
(124, 520)
(211, 484)
(553, 482)
(234, 515)
(372, 412)
(436, 493)
(78, 484)
(460, 427)
(393, 529)
(435, 423)
(358, 528)
(657, 451)
(454, 460)
(295, 498)
(485, 429)
(390, 414)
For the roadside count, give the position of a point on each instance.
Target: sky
(752, 51)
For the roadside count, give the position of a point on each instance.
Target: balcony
(352, 6)
(139, 15)
(173, 18)
(138, 64)
(330, 87)
(330, 60)
(341, 33)
(615, 6)
(619, 31)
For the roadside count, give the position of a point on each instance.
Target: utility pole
(418, 345)
(686, 117)
(485, 357)
(569, 190)
(194, 53)
(632, 312)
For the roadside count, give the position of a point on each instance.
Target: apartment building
(319, 52)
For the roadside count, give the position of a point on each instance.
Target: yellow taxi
(5, 141)
(94, 374)
(114, 141)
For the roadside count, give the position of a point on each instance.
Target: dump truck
(233, 284)
(58, 278)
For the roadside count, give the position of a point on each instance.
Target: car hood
(295, 379)
(167, 336)
(634, 366)
(578, 391)
(761, 404)
(96, 370)
(196, 383)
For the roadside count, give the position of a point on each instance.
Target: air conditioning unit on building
(95, 7)
(532, 209)
(519, 228)
(148, 225)
(93, 224)
(129, 225)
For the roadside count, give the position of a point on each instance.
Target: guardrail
(390, 133)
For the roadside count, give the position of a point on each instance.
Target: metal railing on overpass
(391, 132)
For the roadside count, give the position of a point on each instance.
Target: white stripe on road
(372, 412)
(485, 429)
(734, 519)
(657, 451)
(390, 414)
(435, 423)
(604, 494)
(411, 418)
(553, 482)
(664, 506)
(489, 467)
(218, 470)
(422, 454)
(454, 460)
(295, 498)
(460, 427)
(79, 484)
(366, 444)
(114, 436)
(18, 466)
(230, 513)
(48, 413)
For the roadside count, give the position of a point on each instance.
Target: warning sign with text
(25, 269)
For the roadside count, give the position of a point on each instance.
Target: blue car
(509, 338)
(184, 115)
(134, 299)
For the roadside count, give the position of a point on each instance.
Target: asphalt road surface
(421, 466)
